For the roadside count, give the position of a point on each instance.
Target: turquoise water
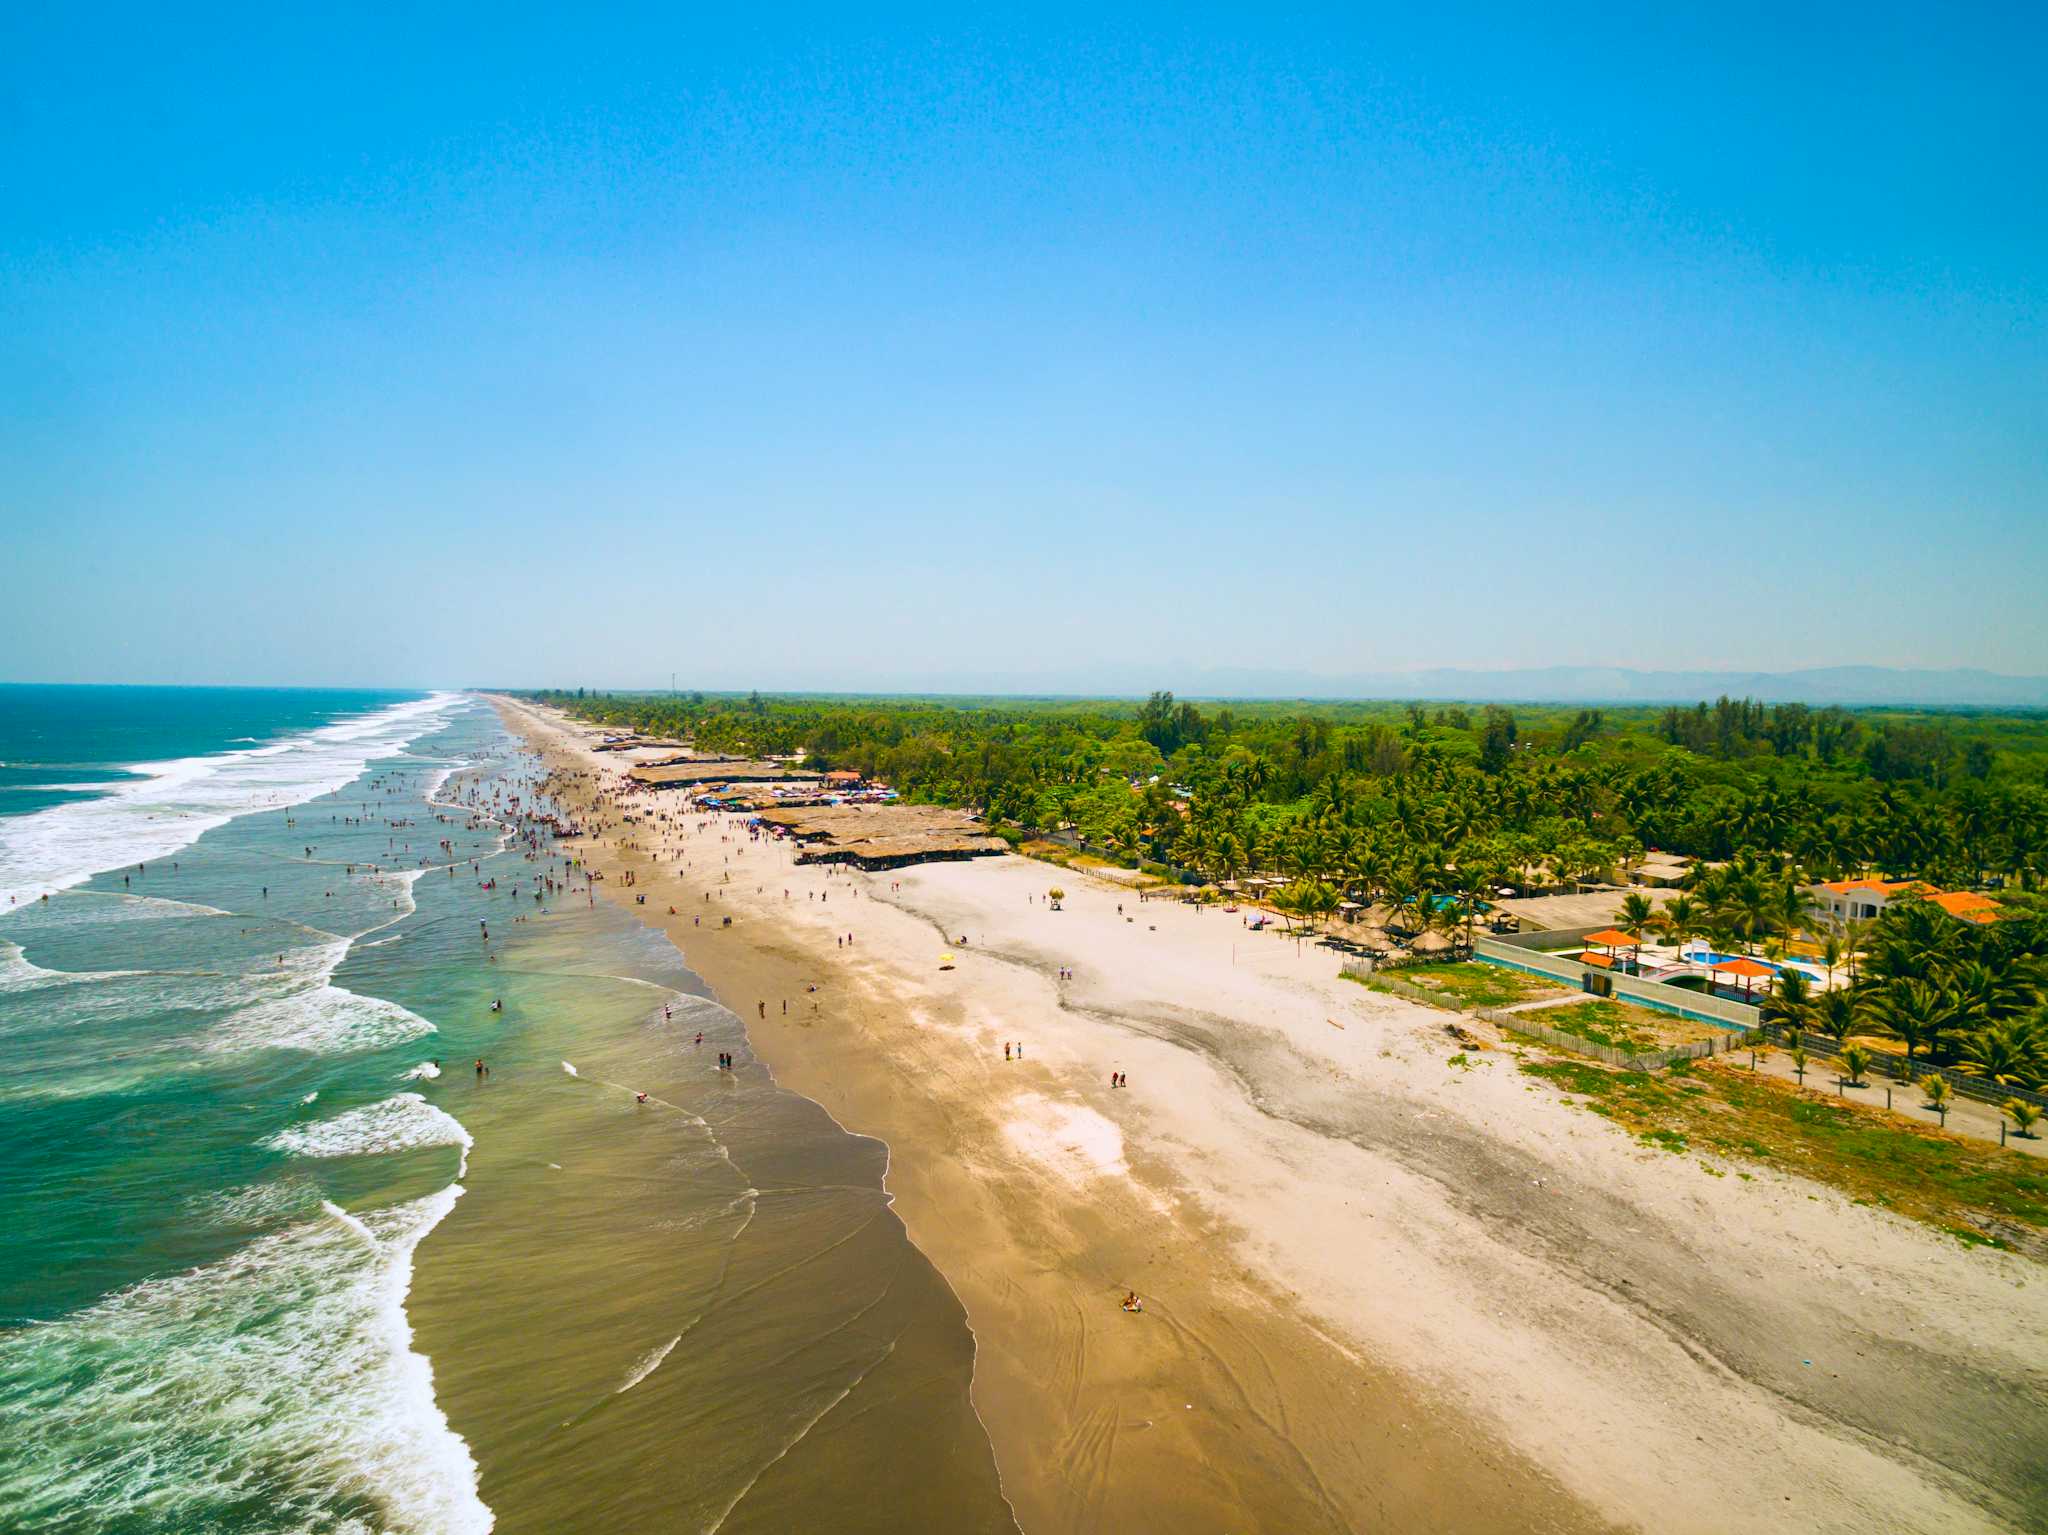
(197, 1335)
(1704, 956)
(241, 992)
(66, 745)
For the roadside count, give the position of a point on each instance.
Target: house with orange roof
(1861, 899)
(1966, 905)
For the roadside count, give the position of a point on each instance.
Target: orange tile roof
(1613, 938)
(1598, 961)
(1881, 886)
(1966, 904)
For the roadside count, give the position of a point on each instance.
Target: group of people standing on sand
(607, 806)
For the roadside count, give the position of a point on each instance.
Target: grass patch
(1999, 1197)
(1467, 985)
(1620, 1026)
(1048, 852)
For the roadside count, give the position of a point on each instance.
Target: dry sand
(1381, 1291)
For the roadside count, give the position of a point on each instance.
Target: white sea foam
(401, 1123)
(97, 908)
(425, 1069)
(282, 1377)
(18, 973)
(259, 1204)
(176, 802)
(327, 1020)
(647, 1364)
(571, 1069)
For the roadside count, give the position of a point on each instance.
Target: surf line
(620, 1087)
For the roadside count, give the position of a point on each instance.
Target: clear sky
(767, 344)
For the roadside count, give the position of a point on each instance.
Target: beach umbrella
(1614, 940)
(1746, 970)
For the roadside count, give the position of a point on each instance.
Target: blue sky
(378, 347)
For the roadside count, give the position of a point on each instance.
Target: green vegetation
(1618, 1026)
(1467, 987)
(1975, 1191)
(1958, 994)
(1421, 812)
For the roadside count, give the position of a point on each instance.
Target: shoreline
(714, 1329)
(1238, 1465)
(1363, 1323)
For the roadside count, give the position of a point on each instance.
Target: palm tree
(1831, 953)
(1834, 1014)
(1856, 1061)
(1799, 1065)
(2024, 1115)
(1937, 1092)
(1986, 994)
(1853, 930)
(2012, 1054)
(1404, 901)
(1637, 915)
(1913, 1012)
(1789, 906)
(1789, 1000)
(1680, 919)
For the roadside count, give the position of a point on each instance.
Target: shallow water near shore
(277, 1258)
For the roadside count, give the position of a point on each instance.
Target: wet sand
(1223, 1407)
(1381, 1291)
(693, 1313)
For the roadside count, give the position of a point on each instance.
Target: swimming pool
(1807, 968)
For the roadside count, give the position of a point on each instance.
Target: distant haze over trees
(1841, 685)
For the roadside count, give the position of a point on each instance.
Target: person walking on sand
(1006, 1049)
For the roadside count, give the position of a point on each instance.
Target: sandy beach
(1382, 1289)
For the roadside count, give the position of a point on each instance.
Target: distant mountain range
(1854, 685)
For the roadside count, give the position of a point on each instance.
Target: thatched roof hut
(883, 836)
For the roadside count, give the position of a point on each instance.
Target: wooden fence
(1647, 1060)
(1890, 1064)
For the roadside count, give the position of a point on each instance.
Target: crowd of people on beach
(609, 816)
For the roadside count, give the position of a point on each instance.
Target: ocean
(276, 1255)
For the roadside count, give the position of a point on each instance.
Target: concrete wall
(1697, 1006)
(1547, 938)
